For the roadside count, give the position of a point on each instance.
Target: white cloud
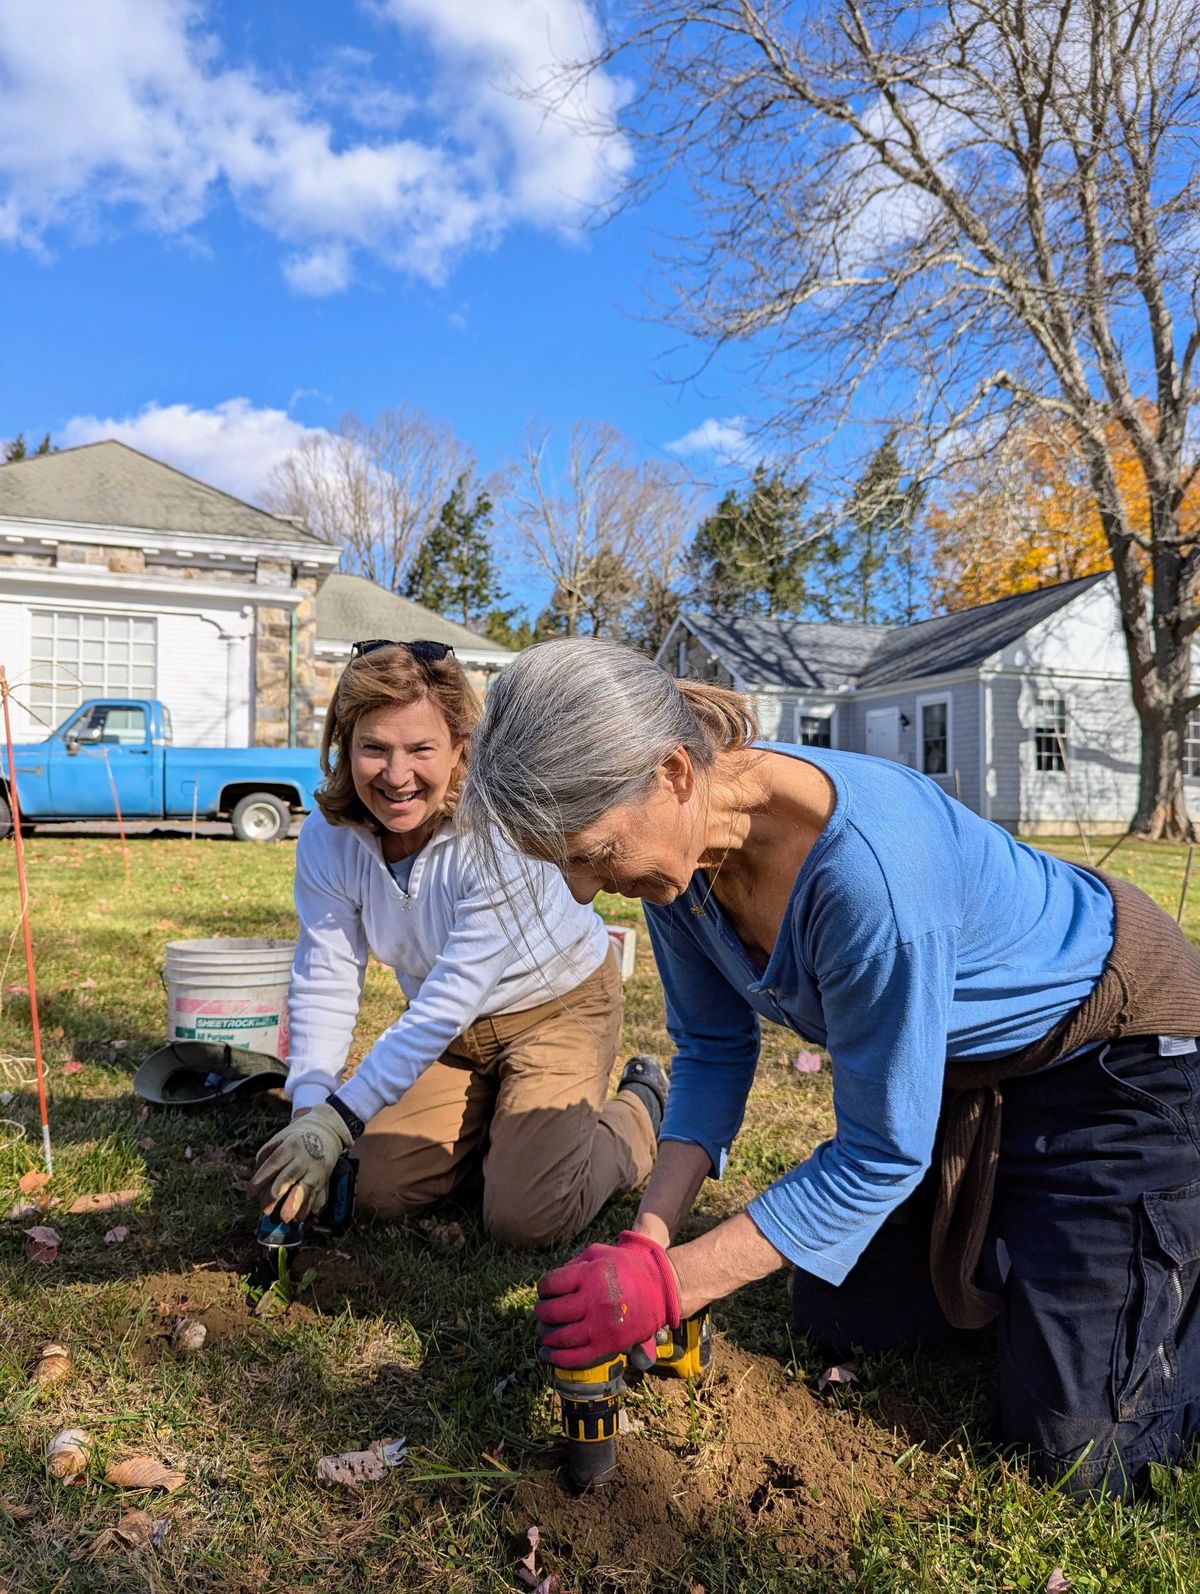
(727, 441)
(113, 108)
(233, 446)
(319, 272)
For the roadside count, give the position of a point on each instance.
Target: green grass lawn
(400, 1335)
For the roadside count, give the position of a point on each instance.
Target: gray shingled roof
(353, 609)
(111, 484)
(801, 655)
(956, 641)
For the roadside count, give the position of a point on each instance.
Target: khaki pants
(522, 1097)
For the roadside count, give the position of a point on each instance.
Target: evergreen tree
(875, 551)
(753, 554)
(454, 572)
(503, 627)
(18, 449)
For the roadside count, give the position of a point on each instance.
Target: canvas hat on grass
(195, 1073)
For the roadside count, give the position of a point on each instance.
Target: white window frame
(929, 700)
(800, 714)
(1043, 694)
(1191, 745)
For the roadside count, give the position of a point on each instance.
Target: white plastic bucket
(229, 989)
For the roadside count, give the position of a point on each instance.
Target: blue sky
(222, 224)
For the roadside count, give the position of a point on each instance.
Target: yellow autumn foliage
(1025, 516)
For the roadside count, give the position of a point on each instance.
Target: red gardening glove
(607, 1299)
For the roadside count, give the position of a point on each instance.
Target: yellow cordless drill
(591, 1396)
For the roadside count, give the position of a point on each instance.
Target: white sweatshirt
(459, 950)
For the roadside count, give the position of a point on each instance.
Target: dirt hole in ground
(757, 1452)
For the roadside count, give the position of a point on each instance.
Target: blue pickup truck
(125, 744)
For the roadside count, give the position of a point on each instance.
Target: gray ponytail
(577, 726)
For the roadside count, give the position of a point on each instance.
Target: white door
(883, 732)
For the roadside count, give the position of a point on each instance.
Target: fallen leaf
(16, 990)
(1056, 1583)
(43, 1244)
(72, 1067)
(806, 1063)
(86, 985)
(67, 1454)
(30, 1209)
(53, 1366)
(58, 1032)
(837, 1375)
(188, 1153)
(137, 1530)
(115, 1236)
(188, 1336)
(147, 1144)
(33, 1180)
(143, 1472)
(19, 1513)
(351, 1468)
(104, 1201)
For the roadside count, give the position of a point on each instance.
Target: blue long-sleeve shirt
(916, 933)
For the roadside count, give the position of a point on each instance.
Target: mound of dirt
(758, 1452)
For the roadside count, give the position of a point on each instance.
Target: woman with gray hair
(950, 971)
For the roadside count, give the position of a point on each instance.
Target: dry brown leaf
(67, 1454)
(72, 1066)
(43, 1244)
(53, 1367)
(351, 1468)
(19, 1513)
(144, 1472)
(104, 1201)
(137, 1530)
(33, 1180)
(117, 1235)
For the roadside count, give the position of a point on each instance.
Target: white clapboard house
(1021, 707)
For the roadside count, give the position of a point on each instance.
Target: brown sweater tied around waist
(1150, 986)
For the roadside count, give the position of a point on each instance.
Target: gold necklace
(698, 907)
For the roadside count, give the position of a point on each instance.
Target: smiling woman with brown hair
(501, 1062)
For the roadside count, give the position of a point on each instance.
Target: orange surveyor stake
(15, 805)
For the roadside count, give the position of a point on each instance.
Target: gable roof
(956, 641)
(803, 655)
(111, 484)
(353, 609)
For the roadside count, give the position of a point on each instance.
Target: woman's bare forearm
(679, 1171)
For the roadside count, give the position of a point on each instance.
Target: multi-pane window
(1191, 744)
(1050, 733)
(815, 730)
(935, 738)
(73, 656)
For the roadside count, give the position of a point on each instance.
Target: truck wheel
(261, 817)
(6, 823)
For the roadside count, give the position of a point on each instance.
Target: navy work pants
(1095, 1250)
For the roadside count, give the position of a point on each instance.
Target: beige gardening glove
(296, 1164)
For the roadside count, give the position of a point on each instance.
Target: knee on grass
(528, 1225)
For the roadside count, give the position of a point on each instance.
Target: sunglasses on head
(425, 652)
